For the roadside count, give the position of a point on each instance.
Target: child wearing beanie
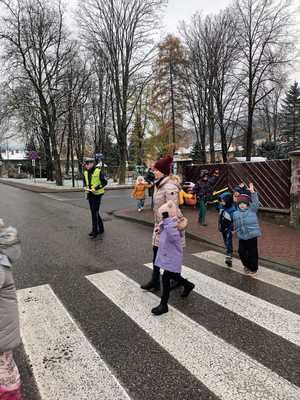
(248, 230)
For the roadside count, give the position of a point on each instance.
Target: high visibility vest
(95, 181)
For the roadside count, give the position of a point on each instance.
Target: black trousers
(166, 281)
(248, 253)
(95, 202)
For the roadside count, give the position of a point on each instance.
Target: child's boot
(228, 261)
(161, 309)
(188, 287)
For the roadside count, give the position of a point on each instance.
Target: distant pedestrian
(170, 255)
(94, 182)
(226, 212)
(139, 192)
(203, 191)
(166, 189)
(248, 230)
(150, 179)
(10, 382)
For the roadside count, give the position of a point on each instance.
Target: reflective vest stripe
(95, 181)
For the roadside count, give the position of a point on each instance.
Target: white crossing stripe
(275, 278)
(229, 373)
(271, 317)
(65, 364)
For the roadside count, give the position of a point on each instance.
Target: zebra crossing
(65, 364)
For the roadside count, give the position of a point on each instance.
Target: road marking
(64, 363)
(63, 199)
(271, 317)
(278, 279)
(223, 369)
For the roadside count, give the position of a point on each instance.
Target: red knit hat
(243, 198)
(164, 165)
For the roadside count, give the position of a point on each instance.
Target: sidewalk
(279, 244)
(44, 186)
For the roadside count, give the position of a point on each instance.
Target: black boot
(152, 285)
(188, 287)
(161, 309)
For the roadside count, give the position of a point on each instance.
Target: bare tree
(199, 76)
(123, 30)
(37, 51)
(227, 96)
(265, 41)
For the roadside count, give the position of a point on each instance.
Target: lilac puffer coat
(170, 251)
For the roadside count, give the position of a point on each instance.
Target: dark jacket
(226, 213)
(150, 178)
(202, 189)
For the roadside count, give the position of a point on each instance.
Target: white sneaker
(139, 209)
(249, 272)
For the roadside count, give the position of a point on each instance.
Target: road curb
(203, 240)
(39, 189)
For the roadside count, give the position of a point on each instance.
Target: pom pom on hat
(164, 165)
(169, 207)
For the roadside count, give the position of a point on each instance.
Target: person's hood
(227, 198)
(8, 235)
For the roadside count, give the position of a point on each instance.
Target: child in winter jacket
(139, 192)
(170, 255)
(247, 228)
(183, 197)
(226, 212)
(9, 317)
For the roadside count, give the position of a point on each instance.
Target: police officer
(94, 182)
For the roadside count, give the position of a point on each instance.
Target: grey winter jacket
(9, 316)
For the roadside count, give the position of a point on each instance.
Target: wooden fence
(272, 179)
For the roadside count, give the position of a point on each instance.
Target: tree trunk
(211, 130)
(223, 143)
(56, 156)
(249, 135)
(49, 162)
(123, 162)
(67, 166)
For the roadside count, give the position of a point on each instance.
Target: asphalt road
(57, 252)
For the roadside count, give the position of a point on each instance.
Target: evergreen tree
(197, 153)
(290, 125)
(272, 151)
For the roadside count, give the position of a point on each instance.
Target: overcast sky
(179, 10)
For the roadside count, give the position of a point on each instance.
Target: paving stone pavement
(279, 243)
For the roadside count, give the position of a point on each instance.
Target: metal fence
(272, 179)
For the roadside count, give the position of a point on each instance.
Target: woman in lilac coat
(170, 256)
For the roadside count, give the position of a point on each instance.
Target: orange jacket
(139, 190)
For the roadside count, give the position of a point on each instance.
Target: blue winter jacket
(246, 222)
